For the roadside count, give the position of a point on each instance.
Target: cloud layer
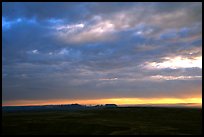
(101, 50)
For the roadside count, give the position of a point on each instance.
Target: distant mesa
(76, 106)
(111, 105)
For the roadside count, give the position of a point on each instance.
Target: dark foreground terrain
(111, 121)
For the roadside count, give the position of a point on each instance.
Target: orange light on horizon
(118, 101)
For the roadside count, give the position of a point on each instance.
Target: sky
(87, 52)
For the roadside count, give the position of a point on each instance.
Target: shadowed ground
(113, 121)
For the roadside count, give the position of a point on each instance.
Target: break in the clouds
(101, 50)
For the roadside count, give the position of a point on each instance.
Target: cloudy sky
(97, 51)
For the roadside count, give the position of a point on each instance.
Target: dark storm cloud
(99, 50)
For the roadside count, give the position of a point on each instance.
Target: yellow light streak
(118, 101)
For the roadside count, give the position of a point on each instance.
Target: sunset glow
(176, 62)
(118, 101)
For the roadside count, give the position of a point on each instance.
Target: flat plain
(106, 121)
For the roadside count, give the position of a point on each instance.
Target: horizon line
(118, 101)
(197, 105)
